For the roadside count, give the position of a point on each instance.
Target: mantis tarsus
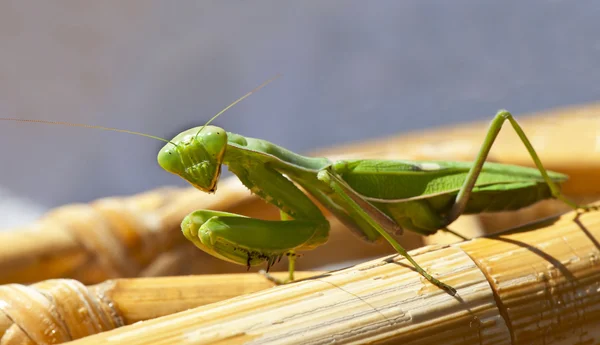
(373, 198)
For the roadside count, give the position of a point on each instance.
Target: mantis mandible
(373, 198)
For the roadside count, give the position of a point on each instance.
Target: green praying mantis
(373, 198)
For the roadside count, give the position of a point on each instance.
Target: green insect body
(373, 198)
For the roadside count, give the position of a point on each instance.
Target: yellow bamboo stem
(60, 310)
(139, 299)
(534, 285)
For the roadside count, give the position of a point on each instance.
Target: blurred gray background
(352, 70)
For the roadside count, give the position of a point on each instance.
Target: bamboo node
(52, 312)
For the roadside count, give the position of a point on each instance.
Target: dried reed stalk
(535, 285)
(140, 236)
(60, 310)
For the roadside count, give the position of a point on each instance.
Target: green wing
(398, 180)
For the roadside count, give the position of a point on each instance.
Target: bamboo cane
(59, 310)
(534, 285)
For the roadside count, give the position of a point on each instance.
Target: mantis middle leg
(350, 198)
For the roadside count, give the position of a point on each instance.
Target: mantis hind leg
(496, 125)
(349, 196)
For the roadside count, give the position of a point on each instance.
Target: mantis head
(196, 156)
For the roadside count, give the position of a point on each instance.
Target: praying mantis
(373, 198)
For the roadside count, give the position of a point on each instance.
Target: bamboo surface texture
(59, 310)
(539, 284)
(140, 235)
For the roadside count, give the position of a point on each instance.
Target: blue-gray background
(352, 70)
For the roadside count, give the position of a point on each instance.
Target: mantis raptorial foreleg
(252, 241)
(245, 240)
(462, 198)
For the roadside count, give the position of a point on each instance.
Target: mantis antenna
(238, 101)
(60, 123)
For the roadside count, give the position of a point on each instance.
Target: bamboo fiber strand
(537, 285)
